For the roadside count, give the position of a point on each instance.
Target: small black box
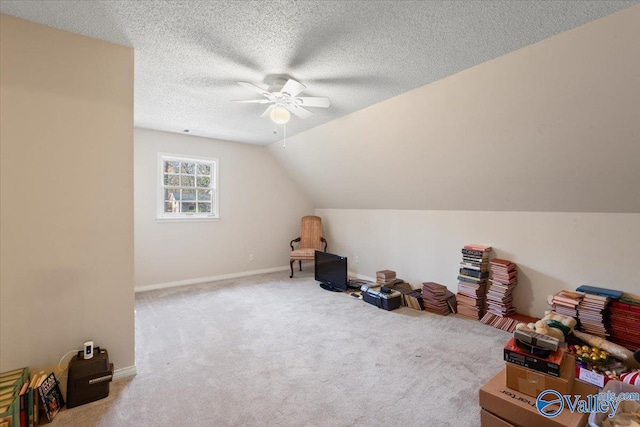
(88, 378)
(386, 301)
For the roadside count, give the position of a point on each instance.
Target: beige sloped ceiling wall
(66, 214)
(536, 153)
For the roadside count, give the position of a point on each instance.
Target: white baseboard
(207, 279)
(125, 373)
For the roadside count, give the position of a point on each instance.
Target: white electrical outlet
(356, 259)
(250, 257)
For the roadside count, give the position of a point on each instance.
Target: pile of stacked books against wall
(472, 281)
(602, 312)
(434, 298)
(500, 311)
(566, 303)
(12, 398)
(504, 277)
(411, 298)
(592, 311)
(624, 315)
(386, 278)
(28, 401)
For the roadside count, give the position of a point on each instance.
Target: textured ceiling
(190, 54)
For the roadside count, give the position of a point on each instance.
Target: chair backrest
(311, 232)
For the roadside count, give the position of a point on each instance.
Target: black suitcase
(88, 379)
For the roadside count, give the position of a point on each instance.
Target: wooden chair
(309, 241)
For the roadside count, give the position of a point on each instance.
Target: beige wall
(553, 250)
(66, 217)
(552, 127)
(260, 211)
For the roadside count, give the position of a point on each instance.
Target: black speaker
(88, 379)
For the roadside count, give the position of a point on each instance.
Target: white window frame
(214, 187)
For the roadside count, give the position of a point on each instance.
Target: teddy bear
(552, 324)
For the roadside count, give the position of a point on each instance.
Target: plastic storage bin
(596, 418)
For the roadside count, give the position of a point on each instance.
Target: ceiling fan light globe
(280, 115)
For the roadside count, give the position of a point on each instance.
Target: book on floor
(50, 396)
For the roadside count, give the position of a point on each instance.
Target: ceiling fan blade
(314, 101)
(292, 87)
(300, 112)
(268, 110)
(252, 101)
(255, 88)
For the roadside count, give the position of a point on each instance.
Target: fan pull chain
(284, 141)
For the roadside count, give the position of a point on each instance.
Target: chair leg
(291, 265)
(300, 264)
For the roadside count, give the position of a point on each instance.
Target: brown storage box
(520, 409)
(487, 419)
(532, 382)
(584, 389)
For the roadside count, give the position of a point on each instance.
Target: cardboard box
(487, 419)
(548, 365)
(519, 409)
(582, 388)
(532, 383)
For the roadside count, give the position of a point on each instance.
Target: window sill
(188, 219)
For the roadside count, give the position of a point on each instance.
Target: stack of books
(28, 401)
(591, 314)
(472, 281)
(434, 298)
(624, 317)
(411, 298)
(507, 323)
(504, 277)
(566, 303)
(385, 277)
(16, 398)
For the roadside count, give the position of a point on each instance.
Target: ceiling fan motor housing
(283, 94)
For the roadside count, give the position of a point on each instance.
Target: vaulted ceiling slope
(552, 127)
(189, 55)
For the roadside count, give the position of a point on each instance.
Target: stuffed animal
(552, 324)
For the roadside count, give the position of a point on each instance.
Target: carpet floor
(267, 350)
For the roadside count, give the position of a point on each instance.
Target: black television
(331, 271)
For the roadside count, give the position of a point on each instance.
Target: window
(188, 187)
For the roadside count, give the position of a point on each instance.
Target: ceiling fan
(285, 100)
